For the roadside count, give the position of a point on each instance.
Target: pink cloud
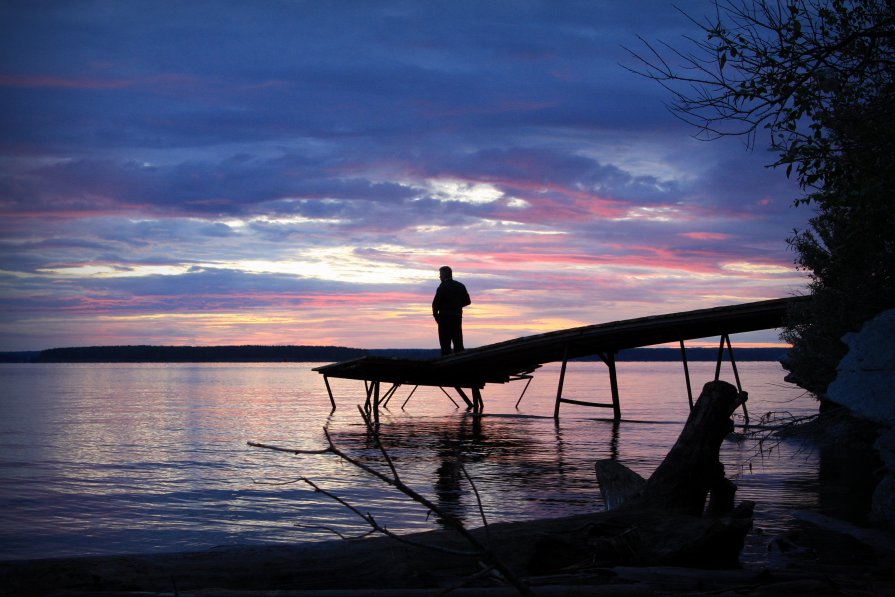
(552, 202)
(706, 235)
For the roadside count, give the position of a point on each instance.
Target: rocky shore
(865, 385)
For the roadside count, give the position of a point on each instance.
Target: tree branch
(394, 480)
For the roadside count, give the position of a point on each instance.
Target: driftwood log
(661, 522)
(692, 469)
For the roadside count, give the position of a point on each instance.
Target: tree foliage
(812, 79)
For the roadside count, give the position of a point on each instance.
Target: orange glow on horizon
(369, 326)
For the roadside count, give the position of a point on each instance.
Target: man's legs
(457, 334)
(444, 337)
(450, 330)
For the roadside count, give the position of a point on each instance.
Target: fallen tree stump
(692, 467)
(691, 470)
(662, 524)
(673, 499)
(660, 521)
(617, 482)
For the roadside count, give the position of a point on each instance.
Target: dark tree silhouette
(812, 79)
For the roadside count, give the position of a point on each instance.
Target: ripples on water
(121, 458)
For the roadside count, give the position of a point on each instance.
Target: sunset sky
(295, 172)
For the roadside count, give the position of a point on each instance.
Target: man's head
(445, 273)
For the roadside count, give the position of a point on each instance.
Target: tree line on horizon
(321, 354)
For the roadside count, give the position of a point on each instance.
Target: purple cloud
(302, 160)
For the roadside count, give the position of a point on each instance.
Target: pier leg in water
(469, 403)
(477, 404)
(376, 402)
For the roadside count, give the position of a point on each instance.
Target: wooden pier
(517, 359)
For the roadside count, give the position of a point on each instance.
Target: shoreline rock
(865, 384)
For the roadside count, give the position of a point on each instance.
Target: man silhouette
(447, 309)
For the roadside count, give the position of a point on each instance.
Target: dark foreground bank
(817, 559)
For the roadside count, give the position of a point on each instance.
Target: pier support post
(687, 374)
(609, 360)
(368, 402)
(409, 396)
(733, 363)
(329, 391)
(562, 377)
(725, 340)
(527, 383)
(376, 402)
(613, 386)
(720, 358)
(389, 393)
(477, 404)
(469, 404)
(449, 396)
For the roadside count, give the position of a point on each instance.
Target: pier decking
(517, 359)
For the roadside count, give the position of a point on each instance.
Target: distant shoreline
(322, 354)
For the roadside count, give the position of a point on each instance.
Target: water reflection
(522, 466)
(613, 444)
(138, 458)
(455, 451)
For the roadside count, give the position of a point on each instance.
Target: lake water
(137, 458)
